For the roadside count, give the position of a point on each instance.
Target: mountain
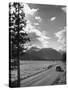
(41, 54)
(49, 53)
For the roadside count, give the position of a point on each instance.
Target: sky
(46, 26)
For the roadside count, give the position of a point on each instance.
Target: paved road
(48, 77)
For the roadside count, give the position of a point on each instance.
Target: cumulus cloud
(28, 10)
(52, 18)
(61, 39)
(63, 9)
(38, 18)
(37, 38)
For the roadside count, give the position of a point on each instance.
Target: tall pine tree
(17, 38)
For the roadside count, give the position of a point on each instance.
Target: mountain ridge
(42, 54)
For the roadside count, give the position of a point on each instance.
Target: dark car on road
(59, 69)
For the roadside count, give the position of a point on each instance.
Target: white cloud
(64, 9)
(38, 18)
(61, 38)
(36, 24)
(36, 36)
(61, 35)
(52, 18)
(28, 10)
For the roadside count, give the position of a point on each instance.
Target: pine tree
(17, 38)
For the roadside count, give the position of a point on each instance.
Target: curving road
(47, 77)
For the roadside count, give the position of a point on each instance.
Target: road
(47, 77)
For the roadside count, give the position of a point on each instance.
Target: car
(50, 66)
(58, 68)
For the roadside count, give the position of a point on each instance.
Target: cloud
(63, 9)
(61, 39)
(61, 35)
(38, 18)
(36, 24)
(52, 18)
(28, 10)
(37, 38)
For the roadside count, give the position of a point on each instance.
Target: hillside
(41, 54)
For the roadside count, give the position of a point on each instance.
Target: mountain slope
(41, 54)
